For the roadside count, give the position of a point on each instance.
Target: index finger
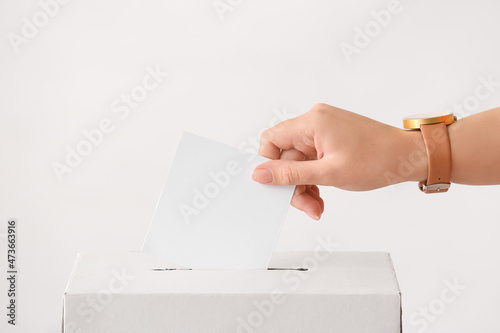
(289, 134)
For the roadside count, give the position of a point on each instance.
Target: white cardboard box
(339, 292)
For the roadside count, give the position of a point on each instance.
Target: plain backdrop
(228, 78)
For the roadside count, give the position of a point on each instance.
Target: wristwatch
(437, 145)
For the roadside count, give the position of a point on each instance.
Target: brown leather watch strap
(437, 144)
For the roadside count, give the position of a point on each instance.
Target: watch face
(414, 121)
(429, 115)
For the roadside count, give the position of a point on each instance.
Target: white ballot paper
(211, 214)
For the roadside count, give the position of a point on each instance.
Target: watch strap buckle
(434, 188)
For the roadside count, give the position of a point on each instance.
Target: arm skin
(335, 147)
(475, 149)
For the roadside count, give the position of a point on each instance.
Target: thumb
(285, 172)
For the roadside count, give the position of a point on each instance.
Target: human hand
(331, 146)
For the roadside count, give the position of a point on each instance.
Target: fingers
(268, 147)
(315, 189)
(307, 199)
(284, 172)
(291, 146)
(314, 193)
(289, 134)
(292, 155)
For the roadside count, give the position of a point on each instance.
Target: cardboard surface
(211, 214)
(339, 292)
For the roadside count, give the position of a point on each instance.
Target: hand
(331, 146)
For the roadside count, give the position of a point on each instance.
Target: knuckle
(320, 107)
(285, 123)
(270, 133)
(289, 175)
(266, 134)
(320, 111)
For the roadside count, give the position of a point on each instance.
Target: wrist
(406, 157)
(413, 162)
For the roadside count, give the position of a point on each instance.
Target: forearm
(475, 149)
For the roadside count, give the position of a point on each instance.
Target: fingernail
(316, 217)
(263, 176)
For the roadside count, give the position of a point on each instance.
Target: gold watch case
(414, 121)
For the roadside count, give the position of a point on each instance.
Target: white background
(227, 79)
